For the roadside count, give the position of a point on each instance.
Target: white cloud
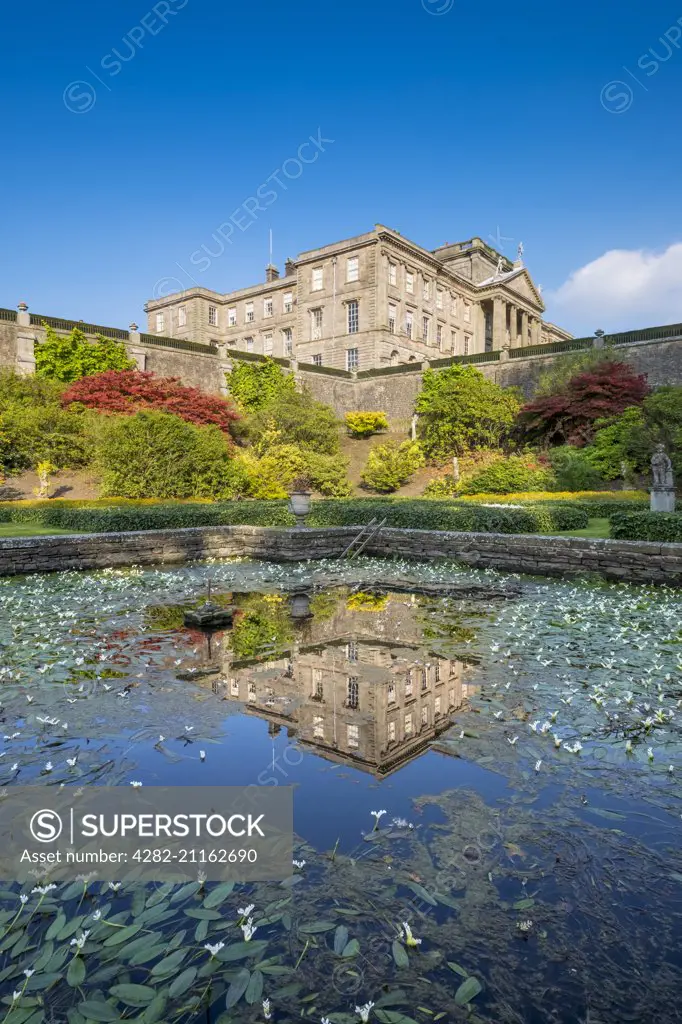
(622, 290)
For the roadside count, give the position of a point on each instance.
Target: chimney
(271, 273)
(289, 268)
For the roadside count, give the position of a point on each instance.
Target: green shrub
(362, 424)
(18, 389)
(460, 409)
(509, 474)
(158, 455)
(390, 465)
(665, 527)
(47, 433)
(296, 419)
(328, 474)
(573, 469)
(69, 357)
(441, 487)
(273, 474)
(256, 384)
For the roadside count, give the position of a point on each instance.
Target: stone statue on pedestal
(663, 490)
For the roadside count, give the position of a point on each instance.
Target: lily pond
(487, 797)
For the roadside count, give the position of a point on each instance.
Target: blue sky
(449, 118)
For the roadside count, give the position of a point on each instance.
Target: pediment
(523, 285)
(518, 281)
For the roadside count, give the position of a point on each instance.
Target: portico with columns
(512, 310)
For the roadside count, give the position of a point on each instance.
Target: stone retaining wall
(627, 561)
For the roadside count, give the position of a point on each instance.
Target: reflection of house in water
(358, 698)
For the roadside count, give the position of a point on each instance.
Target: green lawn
(597, 528)
(28, 530)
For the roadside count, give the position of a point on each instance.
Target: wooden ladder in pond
(362, 539)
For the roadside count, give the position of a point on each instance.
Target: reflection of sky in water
(504, 813)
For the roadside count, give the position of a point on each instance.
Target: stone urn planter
(299, 500)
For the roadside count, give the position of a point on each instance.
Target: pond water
(521, 738)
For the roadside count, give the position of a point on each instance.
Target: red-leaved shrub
(131, 391)
(604, 391)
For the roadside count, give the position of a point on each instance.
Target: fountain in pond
(209, 616)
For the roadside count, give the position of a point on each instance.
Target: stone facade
(626, 561)
(657, 352)
(350, 693)
(370, 301)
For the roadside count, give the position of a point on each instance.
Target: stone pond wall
(625, 561)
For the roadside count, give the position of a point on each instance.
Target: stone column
(25, 355)
(524, 327)
(476, 329)
(498, 323)
(513, 325)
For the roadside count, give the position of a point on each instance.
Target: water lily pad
(237, 988)
(467, 991)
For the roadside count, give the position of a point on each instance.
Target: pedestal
(663, 501)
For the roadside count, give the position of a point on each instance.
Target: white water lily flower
(266, 1009)
(534, 726)
(115, 886)
(249, 930)
(364, 1011)
(43, 889)
(136, 785)
(498, 714)
(671, 768)
(81, 940)
(512, 740)
(16, 995)
(628, 746)
(214, 948)
(71, 761)
(377, 815)
(524, 926)
(48, 766)
(298, 863)
(557, 742)
(28, 971)
(245, 911)
(650, 753)
(23, 899)
(202, 755)
(537, 765)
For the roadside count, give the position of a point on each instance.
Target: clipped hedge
(416, 514)
(119, 518)
(665, 527)
(553, 496)
(597, 504)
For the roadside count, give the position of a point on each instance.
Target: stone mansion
(371, 301)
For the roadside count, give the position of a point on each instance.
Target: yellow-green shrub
(390, 465)
(362, 424)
